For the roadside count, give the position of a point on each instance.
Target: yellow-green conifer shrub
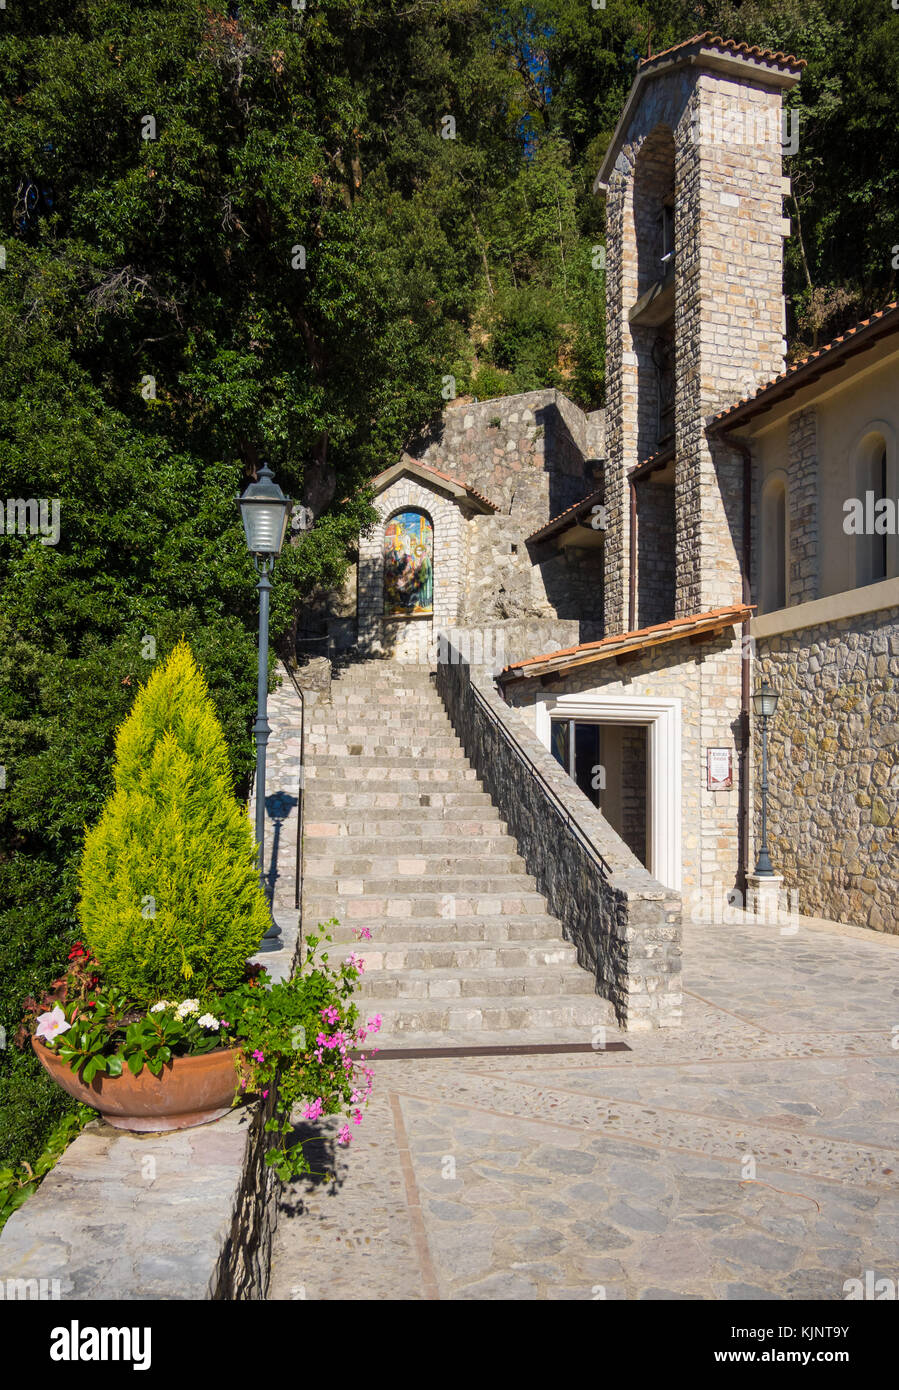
(170, 895)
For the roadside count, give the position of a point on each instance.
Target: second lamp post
(264, 510)
(764, 703)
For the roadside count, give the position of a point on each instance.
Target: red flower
(77, 951)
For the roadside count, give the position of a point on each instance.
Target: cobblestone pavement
(751, 1154)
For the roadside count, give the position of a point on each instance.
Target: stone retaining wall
(626, 927)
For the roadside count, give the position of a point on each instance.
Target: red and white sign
(719, 769)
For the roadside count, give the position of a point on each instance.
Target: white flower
(158, 1008)
(51, 1024)
(187, 1006)
(209, 1021)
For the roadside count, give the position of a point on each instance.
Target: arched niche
(408, 550)
(874, 461)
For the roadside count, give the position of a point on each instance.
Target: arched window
(408, 565)
(871, 555)
(775, 548)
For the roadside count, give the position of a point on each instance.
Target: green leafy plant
(169, 887)
(296, 1039)
(18, 1184)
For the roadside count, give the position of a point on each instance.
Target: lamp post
(264, 510)
(764, 703)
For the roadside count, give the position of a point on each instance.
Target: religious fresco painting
(408, 566)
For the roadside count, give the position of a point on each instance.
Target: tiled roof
(807, 365)
(743, 50)
(552, 524)
(629, 643)
(408, 462)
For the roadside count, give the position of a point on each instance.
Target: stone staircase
(402, 839)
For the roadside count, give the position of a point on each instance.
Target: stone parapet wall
(625, 925)
(188, 1215)
(833, 801)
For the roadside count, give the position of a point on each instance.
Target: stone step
(423, 728)
(363, 705)
(462, 956)
(471, 1015)
(389, 931)
(503, 881)
(353, 848)
(402, 902)
(476, 982)
(398, 824)
(410, 863)
(410, 764)
(327, 796)
(402, 688)
(349, 772)
(377, 735)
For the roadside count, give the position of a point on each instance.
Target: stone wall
(625, 925)
(529, 455)
(188, 1215)
(526, 452)
(702, 678)
(834, 767)
(802, 506)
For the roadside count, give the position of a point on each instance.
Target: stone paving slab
(751, 1154)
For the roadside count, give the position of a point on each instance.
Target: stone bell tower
(695, 314)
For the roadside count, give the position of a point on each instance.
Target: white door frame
(662, 719)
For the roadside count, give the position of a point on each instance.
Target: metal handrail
(558, 805)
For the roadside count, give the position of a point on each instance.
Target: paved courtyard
(751, 1154)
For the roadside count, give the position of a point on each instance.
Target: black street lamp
(264, 510)
(764, 703)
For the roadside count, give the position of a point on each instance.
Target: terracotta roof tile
(710, 40)
(447, 477)
(593, 496)
(628, 641)
(811, 357)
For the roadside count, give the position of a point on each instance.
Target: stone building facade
(650, 565)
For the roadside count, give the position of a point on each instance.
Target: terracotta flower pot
(189, 1090)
